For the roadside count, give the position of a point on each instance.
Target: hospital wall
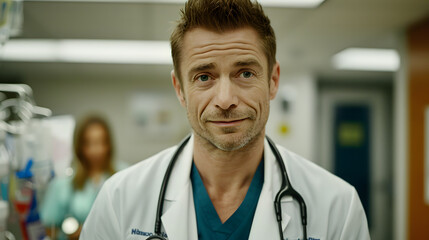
(400, 140)
(294, 125)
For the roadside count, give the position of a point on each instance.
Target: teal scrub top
(62, 201)
(239, 224)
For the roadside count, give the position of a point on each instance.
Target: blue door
(352, 148)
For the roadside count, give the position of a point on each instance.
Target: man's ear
(274, 80)
(178, 88)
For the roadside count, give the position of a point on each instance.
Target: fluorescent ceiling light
(87, 51)
(367, 59)
(267, 3)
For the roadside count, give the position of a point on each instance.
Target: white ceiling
(307, 38)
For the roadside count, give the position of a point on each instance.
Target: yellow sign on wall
(351, 134)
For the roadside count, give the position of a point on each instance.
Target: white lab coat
(126, 205)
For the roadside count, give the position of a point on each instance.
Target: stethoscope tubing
(286, 189)
(164, 185)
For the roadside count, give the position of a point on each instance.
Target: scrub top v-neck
(239, 224)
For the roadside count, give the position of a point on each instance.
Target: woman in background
(73, 197)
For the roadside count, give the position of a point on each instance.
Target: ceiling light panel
(367, 59)
(87, 51)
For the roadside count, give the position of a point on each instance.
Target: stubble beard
(227, 142)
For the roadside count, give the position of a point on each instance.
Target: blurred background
(353, 98)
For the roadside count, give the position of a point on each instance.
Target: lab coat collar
(272, 173)
(178, 219)
(264, 224)
(180, 176)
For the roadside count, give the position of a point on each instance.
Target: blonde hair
(82, 164)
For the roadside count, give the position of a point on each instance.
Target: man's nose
(226, 95)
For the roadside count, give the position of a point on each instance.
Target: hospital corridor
(98, 98)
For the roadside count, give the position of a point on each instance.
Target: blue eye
(203, 78)
(246, 74)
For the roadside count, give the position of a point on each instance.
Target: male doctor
(226, 177)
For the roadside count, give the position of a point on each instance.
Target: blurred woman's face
(95, 146)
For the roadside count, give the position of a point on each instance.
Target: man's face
(226, 87)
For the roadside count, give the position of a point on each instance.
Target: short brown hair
(221, 16)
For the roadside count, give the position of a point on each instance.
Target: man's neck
(227, 175)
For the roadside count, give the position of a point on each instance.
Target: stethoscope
(286, 189)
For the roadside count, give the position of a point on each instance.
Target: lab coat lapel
(178, 218)
(264, 224)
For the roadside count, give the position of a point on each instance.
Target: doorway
(355, 143)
